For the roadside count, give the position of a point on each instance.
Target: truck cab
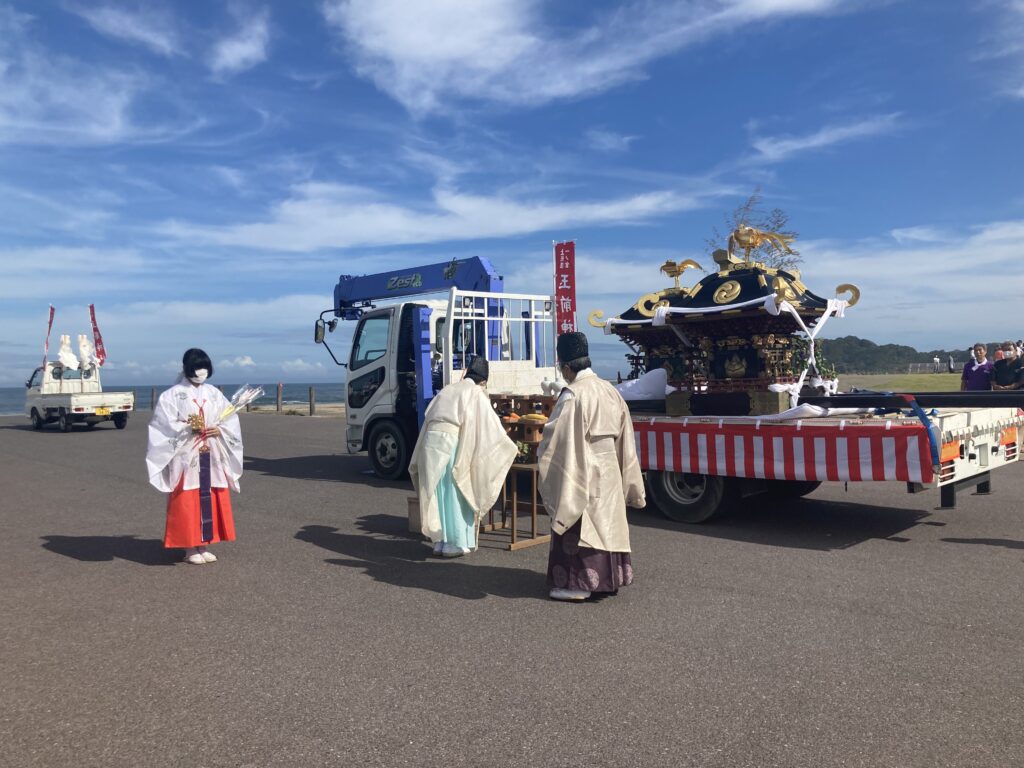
(404, 352)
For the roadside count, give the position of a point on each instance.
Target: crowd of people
(1000, 374)
(588, 470)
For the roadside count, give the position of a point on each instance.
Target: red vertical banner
(565, 287)
(46, 344)
(101, 353)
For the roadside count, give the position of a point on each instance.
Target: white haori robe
(172, 452)
(482, 457)
(588, 467)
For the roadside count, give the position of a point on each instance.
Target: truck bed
(874, 448)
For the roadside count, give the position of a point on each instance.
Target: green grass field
(901, 382)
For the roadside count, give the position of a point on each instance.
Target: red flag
(565, 287)
(101, 353)
(46, 344)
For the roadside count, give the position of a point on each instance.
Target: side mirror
(318, 332)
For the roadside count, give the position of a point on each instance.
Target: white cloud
(245, 48)
(1005, 43)
(774, 149)
(929, 293)
(504, 51)
(918, 235)
(320, 215)
(53, 272)
(242, 361)
(230, 176)
(153, 29)
(608, 141)
(299, 365)
(49, 98)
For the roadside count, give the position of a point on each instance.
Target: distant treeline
(850, 354)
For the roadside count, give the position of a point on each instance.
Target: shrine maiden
(195, 459)
(589, 473)
(460, 462)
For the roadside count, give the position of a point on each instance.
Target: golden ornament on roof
(726, 292)
(675, 269)
(748, 238)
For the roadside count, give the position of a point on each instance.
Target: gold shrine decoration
(783, 290)
(748, 238)
(850, 288)
(649, 302)
(596, 318)
(675, 269)
(726, 292)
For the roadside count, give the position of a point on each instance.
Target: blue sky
(203, 172)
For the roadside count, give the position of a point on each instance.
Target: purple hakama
(571, 566)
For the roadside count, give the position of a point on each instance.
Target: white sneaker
(570, 595)
(195, 558)
(450, 550)
(208, 556)
(438, 545)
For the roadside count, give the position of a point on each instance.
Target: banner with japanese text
(565, 287)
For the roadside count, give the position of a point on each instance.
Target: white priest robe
(588, 466)
(172, 454)
(482, 457)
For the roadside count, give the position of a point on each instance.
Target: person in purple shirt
(977, 375)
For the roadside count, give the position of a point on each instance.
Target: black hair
(577, 365)
(478, 369)
(193, 360)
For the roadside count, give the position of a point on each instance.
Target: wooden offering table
(510, 503)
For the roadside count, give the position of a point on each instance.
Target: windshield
(371, 342)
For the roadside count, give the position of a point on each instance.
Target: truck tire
(120, 420)
(389, 450)
(691, 498)
(64, 421)
(37, 420)
(791, 489)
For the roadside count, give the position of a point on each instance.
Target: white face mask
(200, 377)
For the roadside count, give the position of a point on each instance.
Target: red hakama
(184, 518)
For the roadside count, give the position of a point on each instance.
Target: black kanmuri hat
(478, 367)
(572, 346)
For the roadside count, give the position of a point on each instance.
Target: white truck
(55, 393)
(404, 352)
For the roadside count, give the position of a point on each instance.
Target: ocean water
(12, 399)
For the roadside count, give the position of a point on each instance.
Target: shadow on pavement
(331, 467)
(95, 549)
(800, 524)
(396, 558)
(1007, 543)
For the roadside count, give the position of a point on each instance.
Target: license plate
(102, 411)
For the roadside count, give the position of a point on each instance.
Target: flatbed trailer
(699, 467)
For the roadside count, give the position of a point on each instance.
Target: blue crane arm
(355, 291)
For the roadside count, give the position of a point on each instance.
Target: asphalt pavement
(861, 626)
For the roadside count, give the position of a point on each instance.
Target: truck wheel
(791, 489)
(37, 420)
(389, 450)
(64, 421)
(120, 420)
(690, 498)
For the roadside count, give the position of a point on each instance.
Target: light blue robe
(458, 520)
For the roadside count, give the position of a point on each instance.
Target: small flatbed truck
(69, 396)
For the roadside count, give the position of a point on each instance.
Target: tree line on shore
(850, 354)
